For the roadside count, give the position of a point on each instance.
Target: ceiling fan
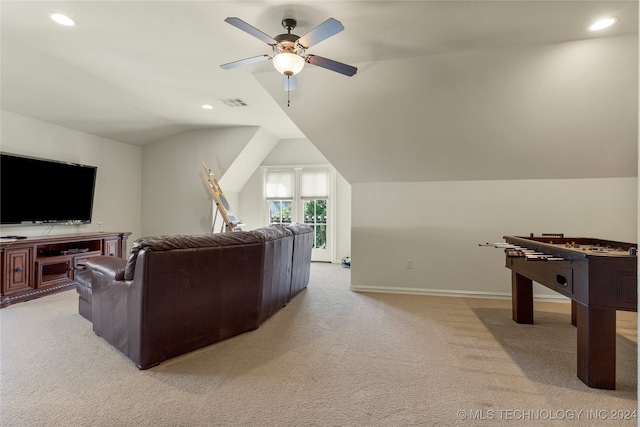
(289, 49)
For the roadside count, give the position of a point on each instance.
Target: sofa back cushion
(173, 242)
(303, 239)
(276, 269)
(188, 298)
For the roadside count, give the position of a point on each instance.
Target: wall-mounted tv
(39, 191)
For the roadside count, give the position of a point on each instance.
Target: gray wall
(555, 111)
(158, 188)
(175, 198)
(118, 192)
(439, 225)
(298, 152)
(457, 149)
(508, 141)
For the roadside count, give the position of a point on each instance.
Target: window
(279, 184)
(280, 211)
(303, 195)
(278, 189)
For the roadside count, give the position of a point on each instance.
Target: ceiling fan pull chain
(288, 90)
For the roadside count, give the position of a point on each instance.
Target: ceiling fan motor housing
(287, 46)
(287, 43)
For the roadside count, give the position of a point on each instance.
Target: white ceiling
(138, 71)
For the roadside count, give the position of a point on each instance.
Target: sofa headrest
(173, 242)
(298, 228)
(272, 232)
(168, 243)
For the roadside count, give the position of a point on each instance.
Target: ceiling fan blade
(332, 65)
(240, 24)
(247, 61)
(322, 32)
(290, 83)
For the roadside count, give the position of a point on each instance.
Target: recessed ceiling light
(602, 24)
(207, 107)
(63, 19)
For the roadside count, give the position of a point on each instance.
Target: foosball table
(599, 276)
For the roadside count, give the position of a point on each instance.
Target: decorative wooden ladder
(221, 203)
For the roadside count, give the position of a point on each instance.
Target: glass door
(315, 215)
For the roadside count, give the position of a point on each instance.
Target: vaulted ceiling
(445, 90)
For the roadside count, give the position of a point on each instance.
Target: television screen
(40, 191)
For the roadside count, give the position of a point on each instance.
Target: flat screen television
(39, 191)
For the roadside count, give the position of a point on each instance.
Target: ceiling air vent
(234, 102)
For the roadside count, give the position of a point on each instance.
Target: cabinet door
(18, 271)
(54, 271)
(111, 247)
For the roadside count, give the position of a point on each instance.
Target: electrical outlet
(409, 264)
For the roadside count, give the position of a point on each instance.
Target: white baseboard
(453, 293)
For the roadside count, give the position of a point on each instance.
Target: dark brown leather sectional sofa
(175, 294)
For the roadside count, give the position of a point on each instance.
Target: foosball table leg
(596, 346)
(521, 298)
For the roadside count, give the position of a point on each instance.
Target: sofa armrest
(109, 299)
(109, 266)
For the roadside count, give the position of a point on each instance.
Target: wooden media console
(38, 266)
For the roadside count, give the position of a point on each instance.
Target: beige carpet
(332, 357)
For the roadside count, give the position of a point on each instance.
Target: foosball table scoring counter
(599, 276)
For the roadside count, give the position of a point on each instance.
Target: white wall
(175, 198)
(158, 189)
(460, 140)
(117, 198)
(560, 110)
(439, 225)
(298, 152)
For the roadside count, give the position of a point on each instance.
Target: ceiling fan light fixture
(288, 64)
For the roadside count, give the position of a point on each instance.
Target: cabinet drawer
(18, 272)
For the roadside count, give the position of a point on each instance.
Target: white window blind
(314, 184)
(279, 184)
